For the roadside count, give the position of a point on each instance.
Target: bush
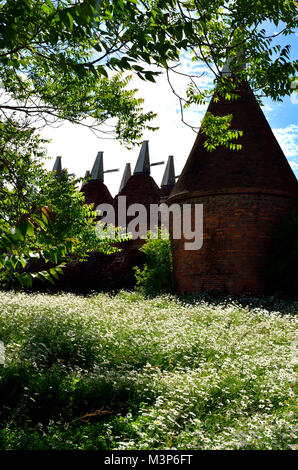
(156, 277)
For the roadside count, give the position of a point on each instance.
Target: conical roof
(96, 193)
(57, 168)
(125, 177)
(139, 189)
(260, 166)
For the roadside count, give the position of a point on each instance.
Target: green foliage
(156, 276)
(44, 221)
(217, 30)
(83, 436)
(62, 59)
(281, 273)
(17, 247)
(54, 63)
(218, 132)
(125, 372)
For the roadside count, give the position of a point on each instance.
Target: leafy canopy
(54, 62)
(61, 58)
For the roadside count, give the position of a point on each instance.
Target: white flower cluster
(208, 375)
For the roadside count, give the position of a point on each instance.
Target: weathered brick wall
(237, 232)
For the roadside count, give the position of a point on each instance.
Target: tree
(51, 69)
(58, 58)
(44, 221)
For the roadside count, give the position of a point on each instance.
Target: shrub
(156, 276)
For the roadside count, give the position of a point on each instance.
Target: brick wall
(237, 230)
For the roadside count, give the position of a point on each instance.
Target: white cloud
(79, 146)
(288, 139)
(267, 108)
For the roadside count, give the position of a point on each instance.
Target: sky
(78, 146)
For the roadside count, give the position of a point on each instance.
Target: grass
(125, 372)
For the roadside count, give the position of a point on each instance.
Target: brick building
(245, 194)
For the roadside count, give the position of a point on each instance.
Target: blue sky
(283, 117)
(78, 146)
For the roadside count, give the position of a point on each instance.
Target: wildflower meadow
(126, 372)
